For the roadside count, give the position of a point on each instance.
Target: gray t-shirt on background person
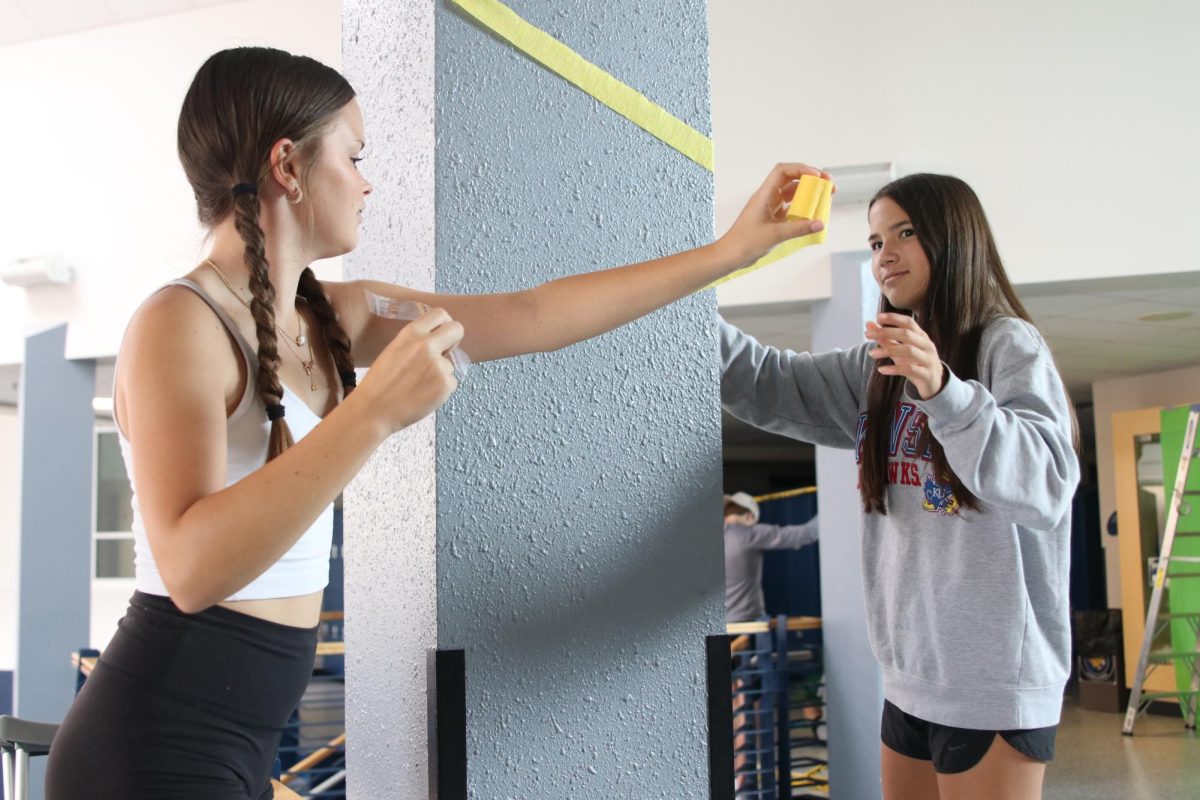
(744, 548)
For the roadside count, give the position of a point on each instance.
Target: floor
(1093, 761)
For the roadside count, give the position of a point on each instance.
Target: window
(113, 524)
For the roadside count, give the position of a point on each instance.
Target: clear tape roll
(408, 310)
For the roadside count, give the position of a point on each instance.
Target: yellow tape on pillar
(781, 251)
(625, 100)
(620, 97)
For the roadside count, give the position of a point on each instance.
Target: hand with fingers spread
(763, 223)
(908, 351)
(413, 375)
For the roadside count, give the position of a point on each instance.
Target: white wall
(1073, 120)
(10, 520)
(89, 160)
(1156, 389)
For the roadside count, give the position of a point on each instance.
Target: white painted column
(390, 510)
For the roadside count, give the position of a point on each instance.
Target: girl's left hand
(898, 337)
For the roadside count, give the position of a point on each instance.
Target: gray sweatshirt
(966, 610)
(744, 547)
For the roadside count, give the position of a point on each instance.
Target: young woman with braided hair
(236, 451)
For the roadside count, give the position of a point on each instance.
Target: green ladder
(1156, 622)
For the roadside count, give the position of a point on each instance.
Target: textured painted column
(54, 592)
(572, 547)
(390, 511)
(853, 684)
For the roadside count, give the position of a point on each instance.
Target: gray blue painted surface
(579, 552)
(54, 595)
(853, 686)
(6, 691)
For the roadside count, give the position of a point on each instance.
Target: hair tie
(349, 379)
(275, 411)
(245, 188)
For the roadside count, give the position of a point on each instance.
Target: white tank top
(304, 568)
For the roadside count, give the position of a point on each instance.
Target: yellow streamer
(620, 97)
(780, 251)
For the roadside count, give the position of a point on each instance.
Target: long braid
(262, 307)
(240, 104)
(331, 329)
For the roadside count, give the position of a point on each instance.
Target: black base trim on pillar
(447, 725)
(720, 717)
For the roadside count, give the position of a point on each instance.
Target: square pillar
(557, 530)
(55, 578)
(853, 682)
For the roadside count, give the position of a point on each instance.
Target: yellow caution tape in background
(766, 498)
(620, 97)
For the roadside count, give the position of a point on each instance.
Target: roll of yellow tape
(812, 195)
(823, 206)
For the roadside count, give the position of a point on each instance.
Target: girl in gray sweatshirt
(967, 466)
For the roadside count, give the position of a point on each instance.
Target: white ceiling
(23, 20)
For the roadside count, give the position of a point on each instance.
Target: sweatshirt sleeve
(813, 398)
(1008, 437)
(782, 537)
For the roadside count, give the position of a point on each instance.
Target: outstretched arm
(563, 312)
(783, 537)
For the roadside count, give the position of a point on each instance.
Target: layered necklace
(300, 339)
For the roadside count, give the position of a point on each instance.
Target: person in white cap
(745, 542)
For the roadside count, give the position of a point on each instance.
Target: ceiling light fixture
(858, 183)
(38, 271)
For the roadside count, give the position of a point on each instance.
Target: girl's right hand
(763, 223)
(413, 376)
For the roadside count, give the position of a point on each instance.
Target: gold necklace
(309, 366)
(300, 339)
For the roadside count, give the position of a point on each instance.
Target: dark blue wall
(792, 578)
(6, 692)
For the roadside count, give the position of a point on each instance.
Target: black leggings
(182, 707)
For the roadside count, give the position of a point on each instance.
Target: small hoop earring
(296, 198)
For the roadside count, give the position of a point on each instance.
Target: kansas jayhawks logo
(939, 497)
(908, 463)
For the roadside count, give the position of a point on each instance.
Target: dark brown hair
(240, 103)
(968, 289)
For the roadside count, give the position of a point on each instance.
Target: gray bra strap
(250, 354)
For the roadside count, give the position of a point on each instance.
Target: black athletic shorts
(956, 749)
(182, 707)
